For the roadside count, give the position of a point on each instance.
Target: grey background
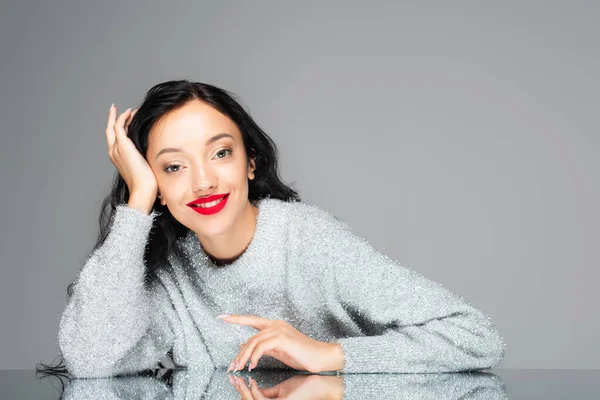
(473, 127)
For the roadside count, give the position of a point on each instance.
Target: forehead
(196, 121)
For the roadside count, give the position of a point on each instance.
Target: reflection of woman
(303, 290)
(186, 384)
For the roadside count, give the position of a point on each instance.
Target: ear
(251, 168)
(162, 201)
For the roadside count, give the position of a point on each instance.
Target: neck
(228, 247)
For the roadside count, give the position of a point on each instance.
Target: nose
(204, 179)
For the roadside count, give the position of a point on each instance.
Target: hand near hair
(130, 163)
(282, 341)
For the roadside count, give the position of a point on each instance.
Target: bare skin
(130, 164)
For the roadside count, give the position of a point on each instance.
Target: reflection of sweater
(303, 266)
(194, 384)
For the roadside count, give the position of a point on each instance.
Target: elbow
(81, 369)
(81, 359)
(495, 348)
(500, 351)
(80, 365)
(483, 346)
(489, 347)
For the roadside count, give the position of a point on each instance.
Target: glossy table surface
(188, 384)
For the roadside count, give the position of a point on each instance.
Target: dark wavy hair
(159, 101)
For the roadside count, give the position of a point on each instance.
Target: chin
(217, 231)
(216, 227)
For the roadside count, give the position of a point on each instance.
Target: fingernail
(223, 316)
(129, 109)
(111, 106)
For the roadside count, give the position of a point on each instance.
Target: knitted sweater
(303, 266)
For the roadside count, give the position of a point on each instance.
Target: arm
(111, 323)
(409, 323)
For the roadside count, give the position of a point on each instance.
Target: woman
(198, 224)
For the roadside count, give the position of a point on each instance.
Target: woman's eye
(168, 169)
(177, 167)
(224, 150)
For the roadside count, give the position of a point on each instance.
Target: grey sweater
(303, 266)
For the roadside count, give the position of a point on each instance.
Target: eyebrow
(209, 141)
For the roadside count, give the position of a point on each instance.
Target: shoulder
(309, 226)
(299, 213)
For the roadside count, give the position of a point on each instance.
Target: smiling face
(195, 151)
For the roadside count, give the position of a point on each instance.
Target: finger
(250, 320)
(276, 327)
(249, 349)
(266, 345)
(255, 391)
(237, 359)
(119, 125)
(271, 392)
(129, 119)
(235, 383)
(109, 131)
(232, 366)
(243, 388)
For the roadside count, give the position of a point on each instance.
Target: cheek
(238, 170)
(171, 189)
(226, 174)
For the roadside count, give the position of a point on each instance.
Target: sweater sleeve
(405, 322)
(111, 324)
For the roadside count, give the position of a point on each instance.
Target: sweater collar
(191, 247)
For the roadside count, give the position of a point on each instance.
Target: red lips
(209, 210)
(210, 198)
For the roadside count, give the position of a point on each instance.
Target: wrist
(141, 202)
(335, 358)
(339, 356)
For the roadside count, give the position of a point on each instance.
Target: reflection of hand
(282, 341)
(297, 387)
